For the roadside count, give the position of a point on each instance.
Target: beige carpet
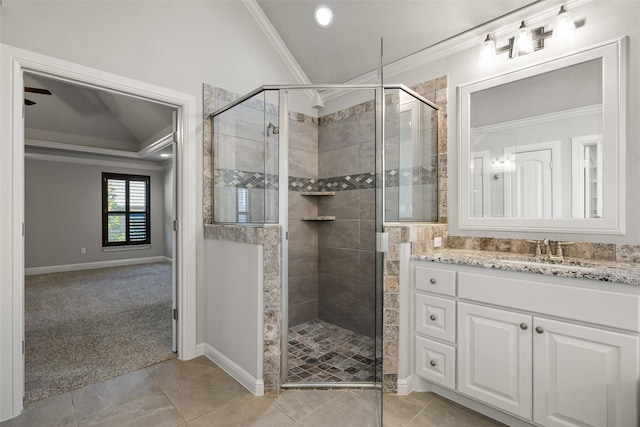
(86, 326)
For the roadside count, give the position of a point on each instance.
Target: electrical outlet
(437, 242)
(83, 251)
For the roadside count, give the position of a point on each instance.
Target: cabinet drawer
(436, 362)
(435, 280)
(436, 317)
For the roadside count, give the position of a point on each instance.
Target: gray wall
(346, 282)
(63, 204)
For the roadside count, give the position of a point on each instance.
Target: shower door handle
(382, 242)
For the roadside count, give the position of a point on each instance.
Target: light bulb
(564, 26)
(523, 43)
(488, 52)
(323, 16)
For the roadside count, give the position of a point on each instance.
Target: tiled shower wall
(303, 235)
(346, 263)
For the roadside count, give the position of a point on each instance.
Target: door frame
(13, 63)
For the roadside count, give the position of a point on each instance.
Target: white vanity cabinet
(583, 376)
(494, 363)
(435, 325)
(549, 351)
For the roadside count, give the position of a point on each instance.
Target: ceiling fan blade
(28, 102)
(37, 90)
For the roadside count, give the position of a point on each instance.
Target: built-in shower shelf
(318, 193)
(319, 218)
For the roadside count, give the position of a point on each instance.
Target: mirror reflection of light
(503, 165)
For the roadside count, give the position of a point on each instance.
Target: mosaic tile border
(364, 181)
(245, 179)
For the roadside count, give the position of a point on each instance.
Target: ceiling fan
(34, 90)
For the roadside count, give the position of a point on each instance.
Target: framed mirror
(542, 148)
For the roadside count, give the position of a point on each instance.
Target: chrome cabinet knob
(523, 326)
(433, 317)
(432, 281)
(539, 329)
(433, 363)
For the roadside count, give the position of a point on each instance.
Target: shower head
(275, 129)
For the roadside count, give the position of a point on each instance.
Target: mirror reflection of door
(531, 188)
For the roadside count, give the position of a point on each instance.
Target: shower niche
(331, 180)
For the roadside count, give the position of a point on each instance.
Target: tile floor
(323, 352)
(197, 393)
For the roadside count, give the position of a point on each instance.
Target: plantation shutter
(125, 209)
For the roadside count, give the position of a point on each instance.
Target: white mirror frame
(613, 56)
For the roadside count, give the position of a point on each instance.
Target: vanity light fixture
(323, 16)
(523, 43)
(488, 51)
(564, 26)
(529, 40)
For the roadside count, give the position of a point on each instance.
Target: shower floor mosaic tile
(320, 352)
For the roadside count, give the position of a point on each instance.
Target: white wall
(234, 302)
(63, 213)
(604, 20)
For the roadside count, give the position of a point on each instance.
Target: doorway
(99, 280)
(15, 62)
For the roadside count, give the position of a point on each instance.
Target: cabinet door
(584, 376)
(494, 357)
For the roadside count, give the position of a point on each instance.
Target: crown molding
(144, 152)
(122, 164)
(280, 47)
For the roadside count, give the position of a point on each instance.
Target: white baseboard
(254, 385)
(92, 265)
(405, 385)
(200, 349)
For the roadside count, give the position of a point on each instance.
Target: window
(125, 209)
(243, 204)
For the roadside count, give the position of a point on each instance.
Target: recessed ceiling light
(323, 16)
(165, 155)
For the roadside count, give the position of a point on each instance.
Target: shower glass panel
(411, 156)
(347, 170)
(332, 275)
(245, 168)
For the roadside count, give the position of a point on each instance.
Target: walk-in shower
(330, 179)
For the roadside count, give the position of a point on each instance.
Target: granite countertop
(605, 271)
